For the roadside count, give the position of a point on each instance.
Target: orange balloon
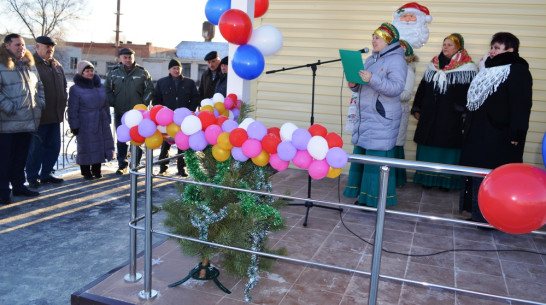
(172, 130)
(136, 143)
(333, 172)
(223, 141)
(207, 108)
(140, 106)
(154, 141)
(220, 154)
(262, 159)
(220, 107)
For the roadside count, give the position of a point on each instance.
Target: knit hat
(174, 62)
(408, 50)
(388, 32)
(224, 61)
(82, 65)
(457, 39)
(416, 8)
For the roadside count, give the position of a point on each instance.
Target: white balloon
(217, 97)
(244, 124)
(317, 147)
(287, 129)
(133, 117)
(267, 39)
(231, 115)
(162, 129)
(190, 125)
(206, 102)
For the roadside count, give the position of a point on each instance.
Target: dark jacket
(221, 85)
(54, 80)
(503, 117)
(21, 94)
(207, 85)
(89, 112)
(172, 96)
(125, 90)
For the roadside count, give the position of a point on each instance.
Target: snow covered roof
(198, 49)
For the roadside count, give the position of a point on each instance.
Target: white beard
(415, 33)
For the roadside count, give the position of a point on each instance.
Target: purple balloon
(237, 154)
(123, 118)
(256, 130)
(229, 125)
(147, 128)
(236, 112)
(198, 142)
(286, 151)
(122, 133)
(300, 138)
(336, 157)
(180, 114)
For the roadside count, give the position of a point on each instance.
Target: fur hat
(211, 55)
(174, 62)
(388, 32)
(408, 50)
(82, 65)
(224, 61)
(457, 39)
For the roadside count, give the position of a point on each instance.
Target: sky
(165, 23)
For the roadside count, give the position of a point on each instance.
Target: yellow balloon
(207, 108)
(140, 106)
(220, 107)
(136, 143)
(223, 141)
(225, 113)
(172, 129)
(219, 154)
(154, 141)
(262, 159)
(333, 172)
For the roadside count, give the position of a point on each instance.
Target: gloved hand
(75, 131)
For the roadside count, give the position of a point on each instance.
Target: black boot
(95, 168)
(86, 172)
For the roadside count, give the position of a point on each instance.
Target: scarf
(460, 70)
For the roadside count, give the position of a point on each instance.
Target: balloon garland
(313, 149)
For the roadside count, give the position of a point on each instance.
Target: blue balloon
(544, 150)
(248, 62)
(215, 8)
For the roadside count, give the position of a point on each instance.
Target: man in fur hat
(21, 105)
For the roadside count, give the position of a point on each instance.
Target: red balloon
(237, 137)
(135, 136)
(207, 118)
(235, 26)
(334, 140)
(512, 198)
(260, 7)
(153, 112)
(274, 130)
(318, 130)
(233, 96)
(270, 142)
(221, 119)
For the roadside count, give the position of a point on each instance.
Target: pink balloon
(211, 134)
(318, 169)
(277, 163)
(146, 114)
(252, 148)
(302, 159)
(182, 140)
(164, 116)
(228, 102)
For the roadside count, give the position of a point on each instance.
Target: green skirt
(438, 155)
(400, 173)
(363, 179)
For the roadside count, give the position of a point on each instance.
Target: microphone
(365, 50)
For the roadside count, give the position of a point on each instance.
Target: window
(202, 68)
(110, 65)
(73, 63)
(94, 63)
(186, 70)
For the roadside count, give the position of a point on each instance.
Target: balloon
(300, 138)
(270, 142)
(336, 157)
(217, 98)
(317, 147)
(286, 131)
(267, 39)
(302, 159)
(211, 134)
(275, 130)
(512, 198)
(233, 97)
(154, 141)
(206, 102)
(237, 137)
(140, 107)
(153, 112)
(333, 172)
(237, 154)
(145, 113)
(244, 124)
(223, 141)
(190, 125)
(133, 118)
(544, 150)
(215, 8)
(277, 163)
(256, 130)
(248, 62)
(228, 103)
(220, 107)
(219, 154)
(318, 169)
(207, 108)
(221, 119)
(286, 151)
(164, 116)
(334, 140)
(173, 129)
(147, 128)
(235, 26)
(207, 119)
(235, 112)
(162, 129)
(135, 136)
(229, 125)
(252, 148)
(182, 141)
(180, 114)
(262, 159)
(122, 133)
(135, 143)
(318, 130)
(260, 7)
(197, 141)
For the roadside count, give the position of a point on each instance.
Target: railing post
(133, 276)
(148, 293)
(378, 243)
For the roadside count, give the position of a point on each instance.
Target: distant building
(191, 54)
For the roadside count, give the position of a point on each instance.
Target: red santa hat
(416, 8)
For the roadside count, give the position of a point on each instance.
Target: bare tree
(45, 17)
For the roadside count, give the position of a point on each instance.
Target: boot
(86, 172)
(95, 168)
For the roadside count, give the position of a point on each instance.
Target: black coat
(502, 118)
(169, 95)
(221, 85)
(207, 86)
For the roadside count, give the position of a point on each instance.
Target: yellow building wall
(315, 30)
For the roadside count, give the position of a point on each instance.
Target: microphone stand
(308, 204)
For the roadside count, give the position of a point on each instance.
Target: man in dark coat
(221, 85)
(498, 111)
(45, 144)
(209, 79)
(175, 91)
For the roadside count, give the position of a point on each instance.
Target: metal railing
(384, 163)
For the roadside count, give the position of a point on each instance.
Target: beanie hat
(388, 32)
(408, 50)
(174, 62)
(457, 39)
(224, 61)
(416, 8)
(211, 55)
(82, 65)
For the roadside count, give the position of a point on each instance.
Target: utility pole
(118, 13)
